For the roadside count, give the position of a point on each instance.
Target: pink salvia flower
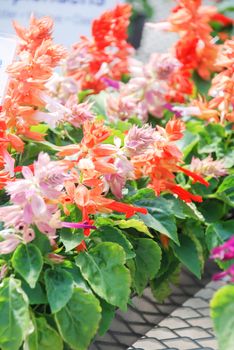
(79, 112)
(138, 140)
(33, 197)
(208, 167)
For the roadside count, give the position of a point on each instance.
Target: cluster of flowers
(84, 173)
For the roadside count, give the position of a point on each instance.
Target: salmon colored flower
(162, 161)
(106, 54)
(196, 48)
(37, 57)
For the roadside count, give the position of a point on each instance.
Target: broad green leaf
(27, 261)
(187, 143)
(160, 216)
(227, 184)
(78, 321)
(41, 241)
(227, 188)
(161, 287)
(44, 337)
(147, 262)
(222, 311)
(112, 234)
(218, 233)
(99, 100)
(15, 320)
(136, 224)
(195, 230)
(108, 313)
(71, 238)
(212, 210)
(103, 268)
(183, 210)
(187, 253)
(35, 295)
(41, 128)
(59, 288)
(124, 224)
(201, 84)
(142, 194)
(78, 279)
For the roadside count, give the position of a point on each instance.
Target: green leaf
(14, 320)
(134, 223)
(201, 84)
(222, 311)
(143, 193)
(147, 262)
(161, 287)
(212, 210)
(188, 255)
(108, 313)
(103, 268)
(183, 210)
(41, 128)
(112, 234)
(44, 337)
(71, 238)
(59, 288)
(27, 261)
(78, 279)
(225, 191)
(160, 216)
(187, 143)
(41, 241)
(218, 233)
(78, 321)
(227, 184)
(35, 295)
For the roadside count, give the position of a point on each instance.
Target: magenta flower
(225, 251)
(82, 225)
(229, 273)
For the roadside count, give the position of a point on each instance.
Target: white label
(8, 46)
(72, 18)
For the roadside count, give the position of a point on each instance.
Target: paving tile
(185, 312)
(181, 344)
(193, 333)
(161, 333)
(150, 344)
(203, 322)
(209, 343)
(188, 327)
(196, 303)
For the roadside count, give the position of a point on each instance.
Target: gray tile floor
(187, 327)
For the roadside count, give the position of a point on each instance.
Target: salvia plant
(114, 174)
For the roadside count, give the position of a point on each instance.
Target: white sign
(8, 44)
(72, 17)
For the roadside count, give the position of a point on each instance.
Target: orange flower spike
(175, 129)
(128, 210)
(195, 49)
(95, 132)
(194, 176)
